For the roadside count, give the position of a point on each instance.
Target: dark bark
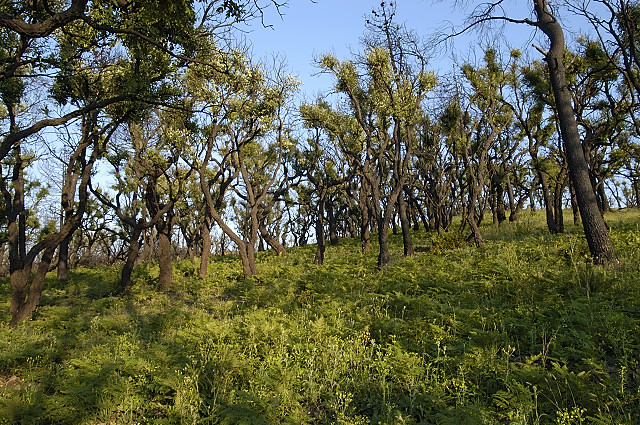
(271, 240)
(501, 212)
(63, 260)
(384, 256)
(26, 295)
(600, 245)
(514, 207)
(320, 247)
(206, 247)
(405, 223)
(365, 219)
(332, 219)
(132, 256)
(165, 256)
(3, 270)
(549, 206)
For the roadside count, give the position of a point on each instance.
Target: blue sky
(307, 30)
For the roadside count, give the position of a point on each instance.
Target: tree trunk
(271, 240)
(600, 245)
(23, 305)
(406, 227)
(384, 256)
(206, 247)
(63, 260)
(365, 223)
(320, 247)
(3, 270)
(132, 256)
(500, 207)
(165, 257)
(475, 229)
(549, 208)
(334, 239)
(248, 258)
(514, 207)
(605, 205)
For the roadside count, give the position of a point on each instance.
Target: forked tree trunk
(25, 297)
(248, 257)
(514, 207)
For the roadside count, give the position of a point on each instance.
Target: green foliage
(524, 331)
(446, 241)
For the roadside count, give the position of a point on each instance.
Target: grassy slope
(523, 331)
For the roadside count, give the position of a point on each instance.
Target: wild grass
(524, 331)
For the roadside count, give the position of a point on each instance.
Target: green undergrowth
(523, 331)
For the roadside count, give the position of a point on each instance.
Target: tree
(596, 233)
(319, 164)
(384, 108)
(600, 245)
(243, 135)
(137, 170)
(89, 59)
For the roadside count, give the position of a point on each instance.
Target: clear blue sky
(307, 30)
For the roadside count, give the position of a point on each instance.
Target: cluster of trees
(155, 127)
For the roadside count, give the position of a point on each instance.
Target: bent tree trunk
(271, 240)
(593, 223)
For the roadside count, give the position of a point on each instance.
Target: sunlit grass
(525, 330)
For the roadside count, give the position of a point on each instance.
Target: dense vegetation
(525, 330)
(174, 185)
(142, 131)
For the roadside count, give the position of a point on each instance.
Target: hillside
(524, 331)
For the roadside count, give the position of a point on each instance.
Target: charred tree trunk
(63, 260)
(500, 207)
